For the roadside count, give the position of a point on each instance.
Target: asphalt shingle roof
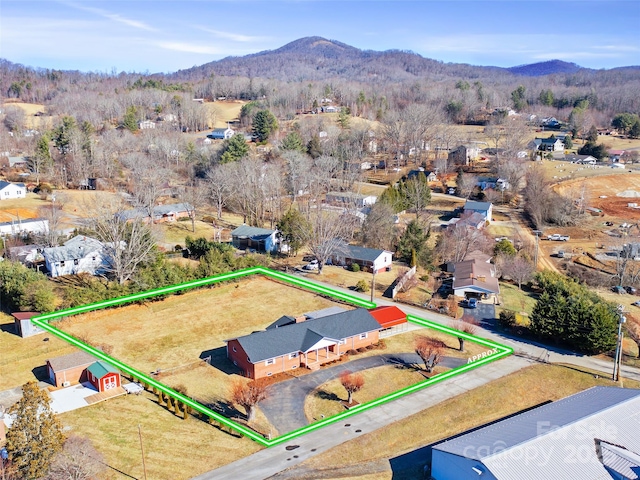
(362, 253)
(76, 248)
(250, 232)
(299, 337)
(76, 359)
(477, 206)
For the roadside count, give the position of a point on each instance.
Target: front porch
(320, 354)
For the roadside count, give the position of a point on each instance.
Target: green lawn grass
(516, 300)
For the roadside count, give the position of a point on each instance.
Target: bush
(352, 352)
(507, 319)
(362, 286)
(208, 219)
(355, 267)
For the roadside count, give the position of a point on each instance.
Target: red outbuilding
(103, 376)
(389, 317)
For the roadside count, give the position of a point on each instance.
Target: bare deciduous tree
(466, 183)
(519, 269)
(326, 234)
(467, 324)
(458, 241)
(248, 395)
(352, 383)
(78, 460)
(430, 350)
(220, 186)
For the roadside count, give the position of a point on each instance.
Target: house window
(248, 360)
(271, 361)
(62, 263)
(234, 349)
(75, 261)
(93, 259)
(293, 355)
(364, 335)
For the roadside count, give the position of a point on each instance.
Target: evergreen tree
(63, 135)
(130, 121)
(314, 149)
(41, 159)
(412, 246)
(343, 117)
(36, 434)
(505, 247)
(568, 143)
(518, 97)
(264, 124)
(292, 142)
(634, 131)
(592, 135)
(292, 226)
(234, 149)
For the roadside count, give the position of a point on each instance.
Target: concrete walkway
(270, 461)
(284, 408)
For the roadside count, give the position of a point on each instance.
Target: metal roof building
(594, 434)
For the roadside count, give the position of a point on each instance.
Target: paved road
(271, 461)
(284, 408)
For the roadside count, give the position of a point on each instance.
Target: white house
(222, 133)
(22, 227)
(369, 258)
(483, 208)
(12, 190)
(146, 125)
(351, 199)
(81, 254)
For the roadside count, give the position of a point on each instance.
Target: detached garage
(391, 319)
(103, 376)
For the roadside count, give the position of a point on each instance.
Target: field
(170, 336)
(531, 386)
(21, 208)
(225, 112)
(173, 448)
(30, 109)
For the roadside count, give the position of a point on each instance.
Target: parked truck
(556, 237)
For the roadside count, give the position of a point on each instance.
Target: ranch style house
(290, 343)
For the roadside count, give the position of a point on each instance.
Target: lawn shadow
(217, 358)
(324, 395)
(41, 374)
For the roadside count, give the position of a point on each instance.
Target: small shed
(69, 369)
(23, 324)
(103, 376)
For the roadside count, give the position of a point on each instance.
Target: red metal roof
(388, 316)
(24, 315)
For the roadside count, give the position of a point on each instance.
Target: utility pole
(616, 362)
(144, 467)
(537, 233)
(373, 282)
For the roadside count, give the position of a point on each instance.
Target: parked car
(556, 237)
(636, 303)
(618, 289)
(472, 303)
(312, 265)
(630, 290)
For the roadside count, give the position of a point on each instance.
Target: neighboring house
(350, 199)
(581, 159)
(551, 144)
(260, 239)
(464, 154)
(27, 254)
(103, 376)
(80, 254)
(615, 155)
(18, 162)
(473, 220)
(69, 369)
(305, 343)
(589, 435)
(368, 258)
(431, 176)
(161, 213)
(484, 208)
(24, 327)
(12, 190)
(222, 133)
(22, 227)
(146, 125)
(474, 278)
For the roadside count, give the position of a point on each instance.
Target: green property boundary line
(42, 321)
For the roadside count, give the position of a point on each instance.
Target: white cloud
(113, 17)
(191, 48)
(236, 37)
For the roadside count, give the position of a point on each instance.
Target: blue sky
(167, 35)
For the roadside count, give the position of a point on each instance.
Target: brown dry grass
(526, 388)
(30, 109)
(20, 356)
(225, 111)
(174, 448)
(325, 401)
(176, 331)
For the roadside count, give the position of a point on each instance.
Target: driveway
(484, 313)
(284, 408)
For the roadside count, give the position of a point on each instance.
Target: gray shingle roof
(245, 231)
(4, 184)
(361, 253)
(72, 360)
(553, 431)
(477, 206)
(76, 248)
(299, 337)
(158, 211)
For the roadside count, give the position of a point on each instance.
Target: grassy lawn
(174, 448)
(20, 356)
(326, 399)
(516, 300)
(174, 233)
(501, 231)
(523, 389)
(172, 334)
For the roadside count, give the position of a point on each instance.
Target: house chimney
(300, 319)
(482, 278)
